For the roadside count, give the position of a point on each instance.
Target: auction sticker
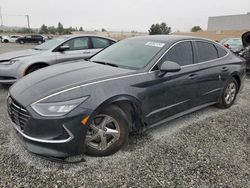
(155, 44)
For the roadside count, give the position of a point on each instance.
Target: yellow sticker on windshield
(155, 44)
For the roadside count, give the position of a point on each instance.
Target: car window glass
(181, 53)
(131, 54)
(77, 44)
(221, 51)
(205, 51)
(100, 42)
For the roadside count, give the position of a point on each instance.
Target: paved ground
(208, 148)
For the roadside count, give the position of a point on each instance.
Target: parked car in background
(31, 39)
(15, 65)
(246, 51)
(234, 44)
(137, 83)
(10, 38)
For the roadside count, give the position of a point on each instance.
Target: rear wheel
(229, 94)
(107, 133)
(40, 42)
(21, 42)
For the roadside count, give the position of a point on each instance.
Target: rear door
(212, 72)
(78, 49)
(98, 43)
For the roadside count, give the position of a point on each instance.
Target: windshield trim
(55, 46)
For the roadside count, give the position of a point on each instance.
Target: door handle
(86, 52)
(224, 69)
(193, 76)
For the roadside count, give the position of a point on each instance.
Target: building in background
(230, 22)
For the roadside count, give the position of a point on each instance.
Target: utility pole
(28, 21)
(1, 17)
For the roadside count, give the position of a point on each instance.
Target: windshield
(234, 42)
(132, 54)
(50, 44)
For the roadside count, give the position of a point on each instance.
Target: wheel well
(41, 65)
(132, 112)
(237, 78)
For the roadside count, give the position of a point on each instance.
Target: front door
(78, 49)
(172, 93)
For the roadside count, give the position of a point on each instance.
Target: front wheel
(229, 94)
(107, 133)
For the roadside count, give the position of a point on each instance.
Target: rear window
(205, 51)
(100, 42)
(222, 52)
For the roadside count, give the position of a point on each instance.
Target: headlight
(9, 62)
(57, 108)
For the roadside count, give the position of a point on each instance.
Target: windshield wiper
(104, 63)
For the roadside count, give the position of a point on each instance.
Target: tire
(229, 94)
(110, 125)
(21, 42)
(6, 41)
(40, 42)
(34, 68)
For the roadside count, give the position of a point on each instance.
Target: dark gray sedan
(15, 65)
(92, 106)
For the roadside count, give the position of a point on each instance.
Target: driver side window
(78, 43)
(181, 53)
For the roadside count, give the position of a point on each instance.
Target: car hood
(17, 54)
(246, 39)
(50, 80)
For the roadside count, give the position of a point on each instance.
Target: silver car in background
(15, 65)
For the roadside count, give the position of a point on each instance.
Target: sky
(118, 15)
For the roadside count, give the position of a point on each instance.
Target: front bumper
(56, 137)
(8, 74)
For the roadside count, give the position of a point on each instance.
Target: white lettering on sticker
(155, 44)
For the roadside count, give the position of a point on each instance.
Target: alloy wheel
(230, 93)
(103, 132)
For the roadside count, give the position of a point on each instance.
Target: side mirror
(170, 66)
(63, 48)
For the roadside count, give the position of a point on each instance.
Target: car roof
(84, 35)
(169, 38)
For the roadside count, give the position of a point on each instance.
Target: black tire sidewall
(116, 113)
(33, 69)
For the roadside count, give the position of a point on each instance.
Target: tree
(196, 28)
(44, 29)
(67, 31)
(81, 29)
(60, 28)
(52, 30)
(159, 29)
(104, 30)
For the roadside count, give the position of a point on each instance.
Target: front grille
(18, 114)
